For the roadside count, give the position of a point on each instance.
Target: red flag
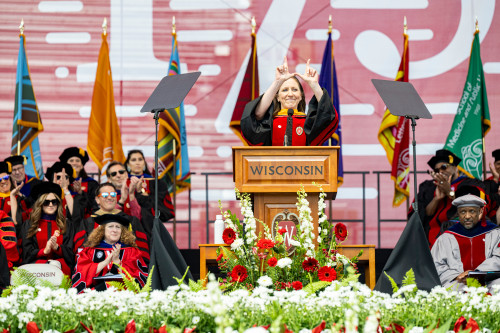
(394, 135)
(249, 90)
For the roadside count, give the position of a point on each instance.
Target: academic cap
(446, 156)
(74, 152)
(58, 167)
(15, 160)
(108, 218)
(469, 200)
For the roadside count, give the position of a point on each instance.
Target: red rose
(228, 236)
(340, 231)
(272, 262)
(265, 244)
(326, 273)
(282, 231)
(219, 258)
(239, 273)
(310, 265)
(297, 285)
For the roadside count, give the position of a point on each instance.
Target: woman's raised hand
(311, 75)
(282, 73)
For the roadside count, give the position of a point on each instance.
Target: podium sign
(274, 175)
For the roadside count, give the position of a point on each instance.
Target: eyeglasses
(59, 177)
(114, 173)
(107, 194)
(443, 167)
(16, 170)
(54, 202)
(6, 177)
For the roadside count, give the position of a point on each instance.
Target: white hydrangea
(284, 262)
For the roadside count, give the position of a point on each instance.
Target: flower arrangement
(261, 260)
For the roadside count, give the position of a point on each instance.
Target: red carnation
(228, 236)
(272, 262)
(239, 273)
(282, 231)
(326, 273)
(219, 258)
(297, 285)
(310, 265)
(340, 231)
(265, 244)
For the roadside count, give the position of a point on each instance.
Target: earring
(128, 168)
(144, 169)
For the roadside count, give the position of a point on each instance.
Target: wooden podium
(273, 175)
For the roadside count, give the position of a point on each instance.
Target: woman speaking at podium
(278, 117)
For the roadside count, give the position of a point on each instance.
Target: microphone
(289, 129)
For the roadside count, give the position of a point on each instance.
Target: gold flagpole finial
(173, 25)
(105, 26)
(477, 25)
(330, 24)
(21, 27)
(254, 25)
(405, 26)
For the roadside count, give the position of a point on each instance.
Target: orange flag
(104, 142)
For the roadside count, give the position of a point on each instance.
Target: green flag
(472, 120)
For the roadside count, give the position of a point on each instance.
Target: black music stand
(169, 94)
(402, 100)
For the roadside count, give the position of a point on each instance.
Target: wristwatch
(452, 194)
(67, 192)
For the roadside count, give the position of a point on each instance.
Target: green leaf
(179, 281)
(117, 285)
(393, 283)
(231, 258)
(196, 286)
(409, 278)
(472, 282)
(313, 287)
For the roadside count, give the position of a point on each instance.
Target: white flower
(284, 262)
(265, 281)
(196, 320)
(416, 330)
(238, 242)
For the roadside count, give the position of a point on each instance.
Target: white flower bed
(354, 307)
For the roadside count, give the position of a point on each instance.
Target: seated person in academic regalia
(143, 192)
(8, 239)
(47, 234)
(435, 196)
(19, 176)
(109, 245)
(265, 120)
(83, 184)
(107, 200)
(492, 186)
(472, 244)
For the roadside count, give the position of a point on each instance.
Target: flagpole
(175, 188)
(21, 34)
(482, 127)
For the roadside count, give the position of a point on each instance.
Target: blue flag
(27, 123)
(328, 80)
(173, 127)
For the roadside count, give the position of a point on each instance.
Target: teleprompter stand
(169, 94)
(402, 100)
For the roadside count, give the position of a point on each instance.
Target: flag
(472, 120)
(173, 127)
(27, 123)
(104, 142)
(249, 90)
(411, 252)
(394, 136)
(328, 80)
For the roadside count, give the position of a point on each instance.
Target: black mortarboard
(496, 154)
(5, 167)
(15, 159)
(170, 92)
(74, 152)
(446, 156)
(58, 167)
(108, 218)
(45, 188)
(471, 186)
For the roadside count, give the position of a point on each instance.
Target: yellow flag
(104, 142)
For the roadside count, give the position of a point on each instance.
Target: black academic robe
(83, 230)
(87, 200)
(33, 246)
(320, 123)
(90, 257)
(8, 240)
